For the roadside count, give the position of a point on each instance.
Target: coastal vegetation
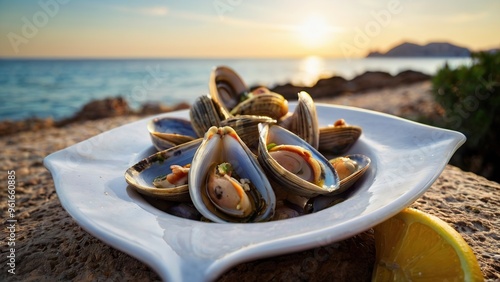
(470, 97)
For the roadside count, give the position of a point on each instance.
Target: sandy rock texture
(408, 101)
(50, 246)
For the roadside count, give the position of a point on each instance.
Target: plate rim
(260, 250)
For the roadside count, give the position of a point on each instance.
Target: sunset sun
(313, 31)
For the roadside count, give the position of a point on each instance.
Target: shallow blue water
(59, 88)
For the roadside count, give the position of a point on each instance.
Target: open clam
(339, 137)
(168, 132)
(226, 183)
(226, 86)
(350, 168)
(294, 164)
(336, 138)
(229, 90)
(146, 176)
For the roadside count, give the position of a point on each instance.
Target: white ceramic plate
(407, 158)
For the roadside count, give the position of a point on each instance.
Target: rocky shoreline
(117, 106)
(94, 110)
(337, 86)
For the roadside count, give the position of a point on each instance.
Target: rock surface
(9, 126)
(336, 86)
(50, 246)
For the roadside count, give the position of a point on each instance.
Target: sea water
(59, 88)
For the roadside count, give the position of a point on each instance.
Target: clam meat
(226, 183)
(177, 177)
(228, 192)
(294, 164)
(350, 168)
(162, 175)
(298, 161)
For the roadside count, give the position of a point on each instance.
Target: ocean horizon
(58, 88)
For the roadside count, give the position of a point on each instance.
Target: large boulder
(409, 76)
(328, 87)
(98, 109)
(108, 107)
(370, 80)
(289, 91)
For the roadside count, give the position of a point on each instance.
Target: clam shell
(168, 132)
(268, 104)
(287, 180)
(140, 176)
(304, 120)
(363, 163)
(224, 145)
(326, 201)
(338, 139)
(226, 86)
(246, 126)
(205, 113)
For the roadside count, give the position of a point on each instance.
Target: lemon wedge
(416, 246)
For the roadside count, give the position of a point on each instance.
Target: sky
(239, 28)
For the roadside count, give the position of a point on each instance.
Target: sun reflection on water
(311, 69)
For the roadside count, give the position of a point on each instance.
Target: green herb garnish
(225, 168)
(271, 145)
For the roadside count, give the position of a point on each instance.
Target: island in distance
(433, 49)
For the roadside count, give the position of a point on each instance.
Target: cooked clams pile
(243, 157)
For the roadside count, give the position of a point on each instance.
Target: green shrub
(470, 96)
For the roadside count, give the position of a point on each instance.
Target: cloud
(244, 23)
(147, 11)
(154, 11)
(466, 17)
(226, 20)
